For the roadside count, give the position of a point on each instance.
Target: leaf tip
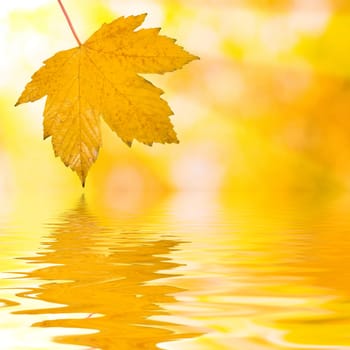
(192, 57)
(82, 179)
(139, 18)
(128, 143)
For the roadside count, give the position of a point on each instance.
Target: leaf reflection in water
(106, 276)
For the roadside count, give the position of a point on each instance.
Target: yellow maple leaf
(100, 78)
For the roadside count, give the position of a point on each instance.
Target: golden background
(249, 212)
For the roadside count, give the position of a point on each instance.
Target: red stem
(69, 22)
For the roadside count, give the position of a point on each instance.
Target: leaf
(101, 78)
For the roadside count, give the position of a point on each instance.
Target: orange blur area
(266, 107)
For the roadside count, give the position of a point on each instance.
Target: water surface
(189, 271)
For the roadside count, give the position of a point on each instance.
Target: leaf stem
(69, 22)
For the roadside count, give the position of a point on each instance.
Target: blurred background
(258, 184)
(266, 107)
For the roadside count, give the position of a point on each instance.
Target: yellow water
(187, 271)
